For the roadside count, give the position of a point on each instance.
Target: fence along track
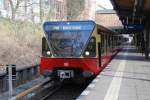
(23, 75)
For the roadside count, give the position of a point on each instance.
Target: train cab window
(45, 48)
(90, 50)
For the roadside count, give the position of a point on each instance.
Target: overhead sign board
(134, 26)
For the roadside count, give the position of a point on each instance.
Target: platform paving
(127, 77)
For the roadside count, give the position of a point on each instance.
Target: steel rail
(51, 93)
(28, 91)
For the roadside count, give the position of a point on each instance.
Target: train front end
(69, 50)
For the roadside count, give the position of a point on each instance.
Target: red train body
(98, 50)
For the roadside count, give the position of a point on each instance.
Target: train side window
(90, 50)
(110, 43)
(102, 44)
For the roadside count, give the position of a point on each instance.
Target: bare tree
(14, 8)
(41, 11)
(25, 7)
(50, 10)
(74, 8)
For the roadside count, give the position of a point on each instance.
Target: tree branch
(11, 4)
(18, 3)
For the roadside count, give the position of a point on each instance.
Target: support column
(147, 42)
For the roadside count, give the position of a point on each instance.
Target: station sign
(134, 26)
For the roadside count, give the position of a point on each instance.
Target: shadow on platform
(133, 54)
(132, 57)
(130, 50)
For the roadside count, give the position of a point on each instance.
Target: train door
(100, 47)
(99, 52)
(106, 44)
(102, 44)
(110, 44)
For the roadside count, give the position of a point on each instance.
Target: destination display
(67, 26)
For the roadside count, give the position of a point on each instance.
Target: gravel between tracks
(69, 91)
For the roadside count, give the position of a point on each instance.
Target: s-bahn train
(76, 49)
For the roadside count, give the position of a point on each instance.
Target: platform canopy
(132, 11)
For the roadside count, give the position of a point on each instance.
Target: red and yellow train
(76, 49)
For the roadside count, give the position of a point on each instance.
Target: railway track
(31, 92)
(50, 90)
(69, 91)
(47, 91)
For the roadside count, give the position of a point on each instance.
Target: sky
(1, 4)
(104, 3)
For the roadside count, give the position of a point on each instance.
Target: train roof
(104, 29)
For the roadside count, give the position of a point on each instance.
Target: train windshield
(68, 39)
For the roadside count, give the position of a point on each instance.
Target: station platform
(127, 77)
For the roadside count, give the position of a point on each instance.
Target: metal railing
(22, 76)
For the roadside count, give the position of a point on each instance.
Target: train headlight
(48, 52)
(87, 53)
